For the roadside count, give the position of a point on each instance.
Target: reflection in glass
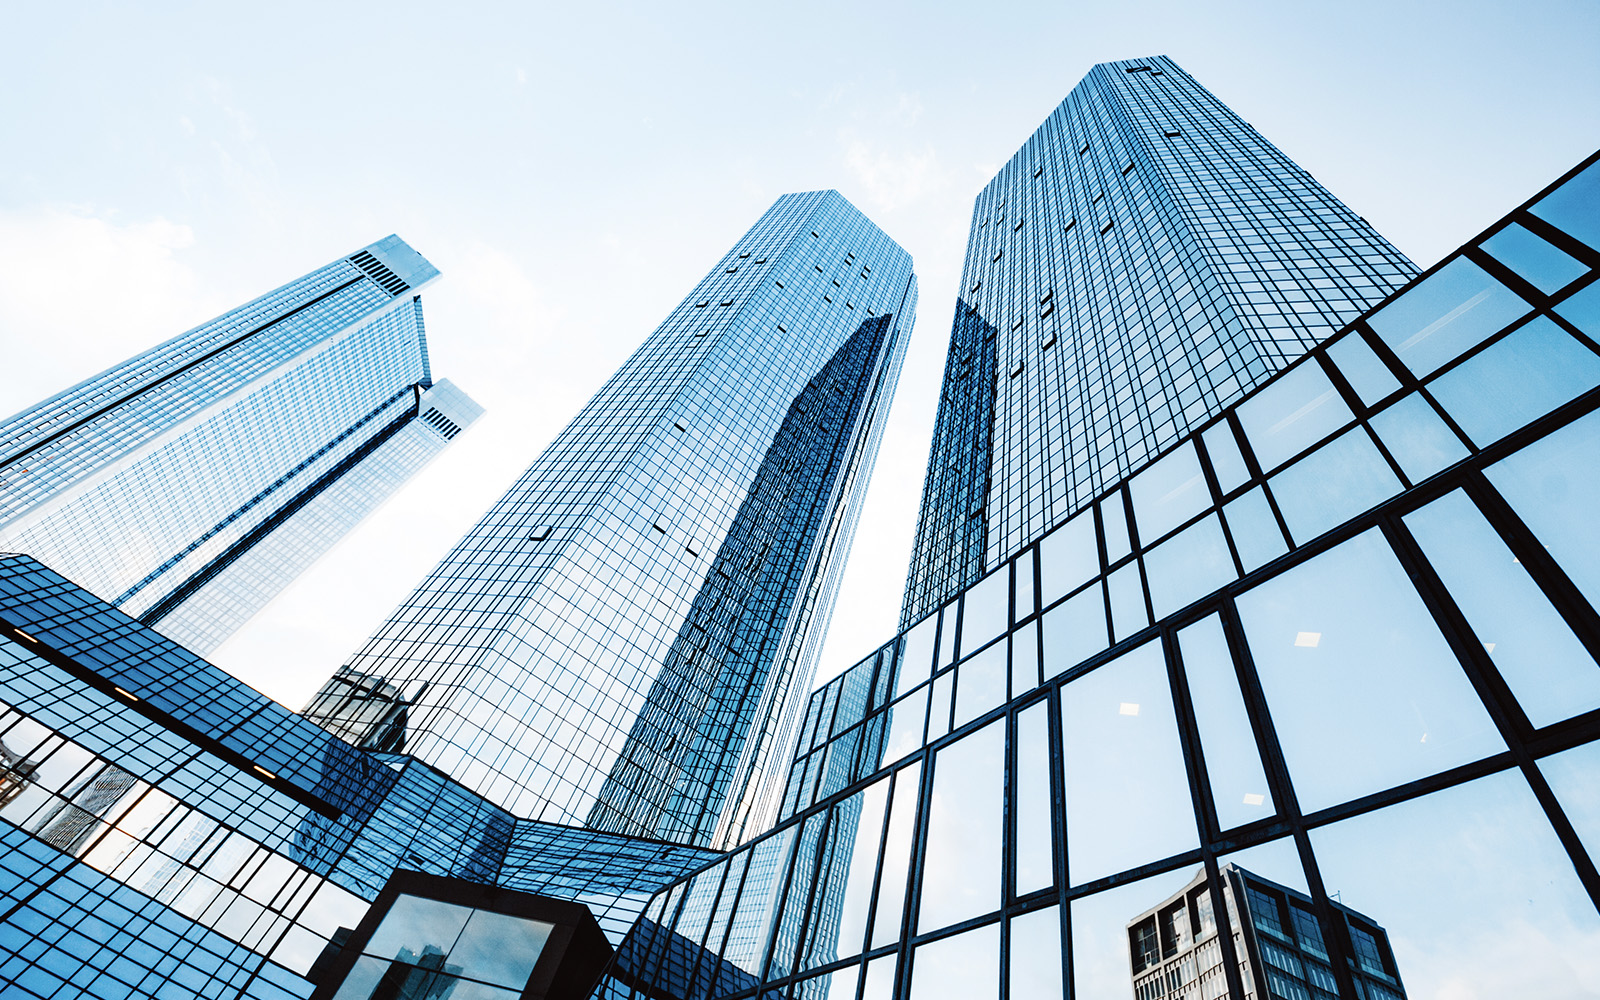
(1516, 380)
(1032, 807)
(1546, 667)
(1333, 484)
(1024, 576)
(500, 949)
(1573, 206)
(1024, 659)
(906, 718)
(1100, 954)
(1226, 459)
(1168, 492)
(1552, 484)
(1233, 764)
(916, 662)
(896, 858)
(1036, 955)
(1417, 438)
(984, 612)
(1363, 692)
(858, 825)
(1473, 887)
(1446, 314)
(1367, 374)
(961, 967)
(416, 923)
(1074, 631)
(1128, 614)
(1068, 557)
(1571, 775)
(981, 685)
(1188, 566)
(939, 705)
(1535, 261)
(1582, 310)
(879, 984)
(1115, 518)
(1127, 793)
(1256, 534)
(1291, 414)
(961, 863)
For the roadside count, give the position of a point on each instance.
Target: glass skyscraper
(1318, 662)
(189, 484)
(625, 637)
(1145, 259)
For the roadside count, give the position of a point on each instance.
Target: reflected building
(279, 425)
(1174, 951)
(365, 711)
(624, 638)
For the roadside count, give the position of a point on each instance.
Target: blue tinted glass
(1417, 438)
(1582, 310)
(958, 968)
(1255, 531)
(1552, 485)
(1167, 493)
(1333, 484)
(1127, 602)
(1115, 519)
(906, 718)
(1452, 310)
(1516, 380)
(1546, 667)
(1575, 206)
(1536, 261)
(1571, 776)
(1035, 858)
(1024, 659)
(1074, 630)
(984, 611)
(1188, 566)
(1292, 414)
(1127, 793)
(916, 658)
(1362, 368)
(1226, 460)
(1036, 955)
(1344, 636)
(1238, 783)
(981, 684)
(1068, 557)
(961, 862)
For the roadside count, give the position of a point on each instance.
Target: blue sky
(574, 169)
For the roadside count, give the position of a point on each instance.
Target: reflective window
(939, 705)
(1169, 492)
(1188, 566)
(916, 662)
(1571, 777)
(1024, 659)
(1516, 380)
(1233, 764)
(1535, 260)
(1127, 793)
(984, 612)
(1068, 557)
(1032, 807)
(1074, 631)
(426, 947)
(961, 863)
(1036, 955)
(1126, 594)
(1449, 312)
(1575, 206)
(859, 824)
(1418, 439)
(1471, 885)
(1226, 460)
(1115, 518)
(1101, 966)
(1582, 310)
(1333, 484)
(1364, 693)
(961, 967)
(906, 718)
(896, 858)
(1362, 368)
(1024, 575)
(1552, 485)
(1291, 414)
(980, 684)
(947, 638)
(1541, 660)
(1255, 531)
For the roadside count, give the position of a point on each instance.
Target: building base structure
(1327, 664)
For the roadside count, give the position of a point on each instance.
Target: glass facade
(1145, 259)
(1325, 671)
(280, 424)
(625, 638)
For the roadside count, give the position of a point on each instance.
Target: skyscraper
(275, 427)
(1335, 639)
(624, 638)
(1145, 259)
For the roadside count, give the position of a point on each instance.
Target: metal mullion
(1559, 238)
(1214, 485)
(1288, 803)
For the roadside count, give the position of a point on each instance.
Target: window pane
(1575, 206)
(1068, 557)
(916, 661)
(1024, 575)
(1292, 414)
(1552, 485)
(1363, 691)
(858, 826)
(1536, 261)
(1421, 874)
(1417, 438)
(1255, 531)
(500, 949)
(1451, 311)
(1546, 667)
(1233, 762)
(1363, 369)
(1115, 519)
(1036, 955)
(839, 984)
(1188, 566)
(1035, 854)
(1516, 381)
(1331, 485)
(414, 923)
(981, 684)
(1226, 460)
(958, 968)
(758, 905)
(947, 638)
(1101, 966)
(1582, 310)
(984, 613)
(939, 705)
(1127, 795)
(961, 868)
(906, 718)
(1024, 659)
(1127, 601)
(1168, 493)
(1571, 775)
(896, 857)
(1074, 631)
